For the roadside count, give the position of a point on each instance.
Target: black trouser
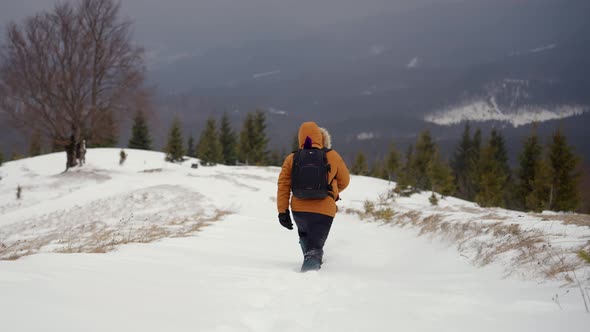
(313, 231)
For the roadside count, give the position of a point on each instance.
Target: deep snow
(239, 273)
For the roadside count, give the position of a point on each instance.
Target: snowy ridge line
(529, 245)
(482, 111)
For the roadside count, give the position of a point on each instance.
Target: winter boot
(312, 261)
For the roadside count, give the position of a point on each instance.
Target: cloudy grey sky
(178, 27)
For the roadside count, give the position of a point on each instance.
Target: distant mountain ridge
(391, 75)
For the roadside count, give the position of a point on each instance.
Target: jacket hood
(312, 130)
(327, 139)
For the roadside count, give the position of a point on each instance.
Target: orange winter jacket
(338, 173)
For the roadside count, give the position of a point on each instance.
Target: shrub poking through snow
(433, 199)
(379, 212)
(584, 255)
(19, 191)
(122, 157)
(369, 207)
(385, 214)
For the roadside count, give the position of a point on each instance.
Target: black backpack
(309, 177)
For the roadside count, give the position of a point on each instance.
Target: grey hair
(326, 137)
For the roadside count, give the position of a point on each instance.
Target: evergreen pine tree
(497, 140)
(406, 182)
(35, 144)
(16, 156)
(441, 175)
(295, 143)
(246, 138)
(392, 162)
(425, 150)
(476, 144)
(491, 179)
(530, 156)
(140, 136)
(174, 148)
(209, 148)
(228, 141)
(473, 168)
(539, 197)
(461, 163)
(509, 188)
(259, 140)
(275, 158)
(378, 170)
(360, 166)
(563, 165)
(190, 147)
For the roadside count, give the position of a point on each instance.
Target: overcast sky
(174, 28)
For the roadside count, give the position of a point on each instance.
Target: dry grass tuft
(561, 268)
(493, 239)
(430, 224)
(568, 219)
(410, 217)
(353, 211)
(98, 237)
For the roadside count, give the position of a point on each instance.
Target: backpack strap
(330, 188)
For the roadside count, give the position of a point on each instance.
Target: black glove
(285, 219)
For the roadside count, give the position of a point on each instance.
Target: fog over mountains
(390, 75)
(371, 71)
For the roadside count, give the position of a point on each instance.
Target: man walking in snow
(313, 210)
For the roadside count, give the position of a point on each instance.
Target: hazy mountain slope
(449, 62)
(530, 57)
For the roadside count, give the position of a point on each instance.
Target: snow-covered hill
(513, 101)
(201, 250)
(486, 110)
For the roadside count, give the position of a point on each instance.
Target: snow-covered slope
(488, 110)
(201, 250)
(515, 101)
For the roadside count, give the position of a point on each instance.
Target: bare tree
(71, 70)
